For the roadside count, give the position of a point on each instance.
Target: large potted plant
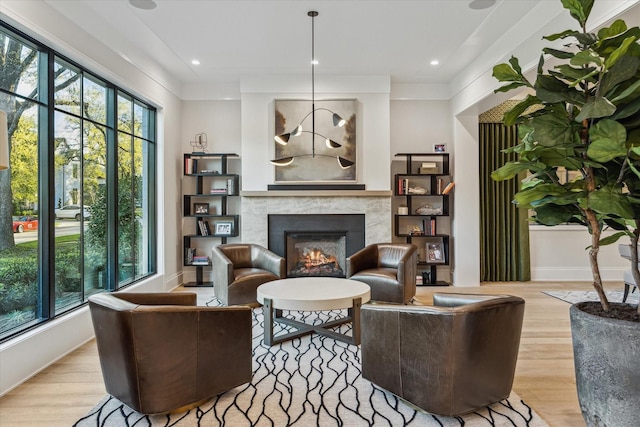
(582, 114)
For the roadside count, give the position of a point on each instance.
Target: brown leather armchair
(448, 359)
(240, 268)
(161, 353)
(388, 268)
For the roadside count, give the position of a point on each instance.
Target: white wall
(22, 357)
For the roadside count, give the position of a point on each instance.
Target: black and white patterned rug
(309, 381)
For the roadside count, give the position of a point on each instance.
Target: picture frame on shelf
(435, 253)
(439, 148)
(201, 208)
(224, 228)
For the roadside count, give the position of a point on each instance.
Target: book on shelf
(189, 253)
(448, 188)
(429, 165)
(204, 229)
(190, 166)
(231, 187)
(218, 191)
(429, 226)
(403, 186)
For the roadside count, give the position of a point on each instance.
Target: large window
(77, 206)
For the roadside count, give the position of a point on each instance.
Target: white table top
(313, 293)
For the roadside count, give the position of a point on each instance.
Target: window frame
(45, 102)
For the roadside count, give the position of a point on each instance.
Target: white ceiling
(257, 38)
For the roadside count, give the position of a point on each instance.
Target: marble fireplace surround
(255, 207)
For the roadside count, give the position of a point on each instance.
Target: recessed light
(435, 62)
(481, 4)
(143, 4)
(314, 62)
(195, 62)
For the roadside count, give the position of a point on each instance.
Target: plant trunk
(593, 258)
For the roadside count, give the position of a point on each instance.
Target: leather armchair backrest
(389, 256)
(156, 351)
(240, 255)
(447, 359)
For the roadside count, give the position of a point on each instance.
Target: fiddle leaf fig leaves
(579, 9)
(551, 130)
(608, 141)
(583, 117)
(596, 108)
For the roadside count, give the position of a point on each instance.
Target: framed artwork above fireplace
(313, 160)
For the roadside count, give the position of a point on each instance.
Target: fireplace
(316, 245)
(315, 254)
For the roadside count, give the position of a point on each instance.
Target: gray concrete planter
(607, 363)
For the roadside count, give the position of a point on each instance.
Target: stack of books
(429, 226)
(200, 260)
(218, 191)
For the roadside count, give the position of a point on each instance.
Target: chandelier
(285, 138)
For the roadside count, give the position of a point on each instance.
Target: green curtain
(504, 230)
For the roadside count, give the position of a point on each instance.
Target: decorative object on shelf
(435, 253)
(285, 154)
(200, 143)
(440, 148)
(416, 190)
(428, 168)
(4, 141)
(201, 208)
(428, 210)
(416, 231)
(224, 228)
(403, 210)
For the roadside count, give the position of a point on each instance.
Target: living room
(393, 118)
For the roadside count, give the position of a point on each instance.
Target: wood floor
(67, 390)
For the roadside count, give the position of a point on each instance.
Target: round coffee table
(312, 294)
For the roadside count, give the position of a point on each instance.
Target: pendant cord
(313, 84)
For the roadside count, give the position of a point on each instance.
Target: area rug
(309, 381)
(573, 297)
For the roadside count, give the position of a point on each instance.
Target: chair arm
(364, 259)
(222, 267)
(267, 260)
(158, 298)
(407, 266)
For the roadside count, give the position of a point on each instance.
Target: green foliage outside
(19, 278)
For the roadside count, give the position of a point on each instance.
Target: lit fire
(315, 257)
